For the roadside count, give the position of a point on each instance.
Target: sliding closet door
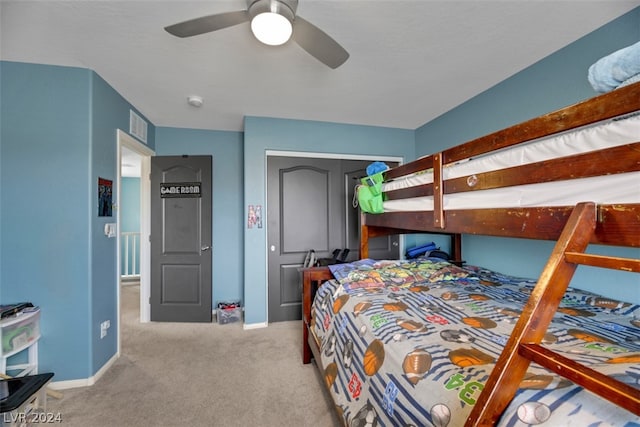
(309, 204)
(304, 212)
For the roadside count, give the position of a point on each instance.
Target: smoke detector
(195, 100)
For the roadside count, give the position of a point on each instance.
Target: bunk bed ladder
(523, 346)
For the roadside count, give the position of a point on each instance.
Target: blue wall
(227, 151)
(109, 112)
(554, 82)
(130, 220)
(231, 182)
(58, 136)
(130, 201)
(45, 211)
(263, 134)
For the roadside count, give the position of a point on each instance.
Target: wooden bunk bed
(573, 226)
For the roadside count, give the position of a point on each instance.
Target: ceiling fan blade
(206, 24)
(318, 43)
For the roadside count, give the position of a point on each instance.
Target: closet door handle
(205, 248)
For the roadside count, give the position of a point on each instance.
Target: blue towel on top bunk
(611, 71)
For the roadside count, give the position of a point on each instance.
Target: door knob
(205, 248)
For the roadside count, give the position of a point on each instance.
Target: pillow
(371, 274)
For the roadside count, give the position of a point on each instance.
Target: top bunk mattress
(609, 189)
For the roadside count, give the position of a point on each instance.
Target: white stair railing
(130, 250)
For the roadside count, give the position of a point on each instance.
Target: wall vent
(137, 126)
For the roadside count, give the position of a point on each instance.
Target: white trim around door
(125, 140)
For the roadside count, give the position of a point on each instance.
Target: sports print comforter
(411, 343)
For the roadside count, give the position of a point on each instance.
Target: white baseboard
(260, 325)
(86, 382)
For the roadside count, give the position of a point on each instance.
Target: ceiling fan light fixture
(271, 28)
(272, 20)
(272, 23)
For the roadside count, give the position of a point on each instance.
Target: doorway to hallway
(134, 161)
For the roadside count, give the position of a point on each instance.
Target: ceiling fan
(270, 14)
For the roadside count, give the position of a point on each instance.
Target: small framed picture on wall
(105, 196)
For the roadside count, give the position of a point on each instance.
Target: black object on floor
(20, 389)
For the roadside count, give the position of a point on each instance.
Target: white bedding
(620, 188)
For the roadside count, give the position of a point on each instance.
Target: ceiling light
(271, 21)
(271, 28)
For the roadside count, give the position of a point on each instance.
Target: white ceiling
(410, 60)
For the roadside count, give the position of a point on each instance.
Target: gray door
(181, 239)
(304, 212)
(308, 202)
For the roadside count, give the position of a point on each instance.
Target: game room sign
(180, 189)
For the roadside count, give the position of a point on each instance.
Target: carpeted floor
(186, 374)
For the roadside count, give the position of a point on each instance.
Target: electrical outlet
(103, 328)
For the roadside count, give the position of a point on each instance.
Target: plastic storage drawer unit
(18, 332)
